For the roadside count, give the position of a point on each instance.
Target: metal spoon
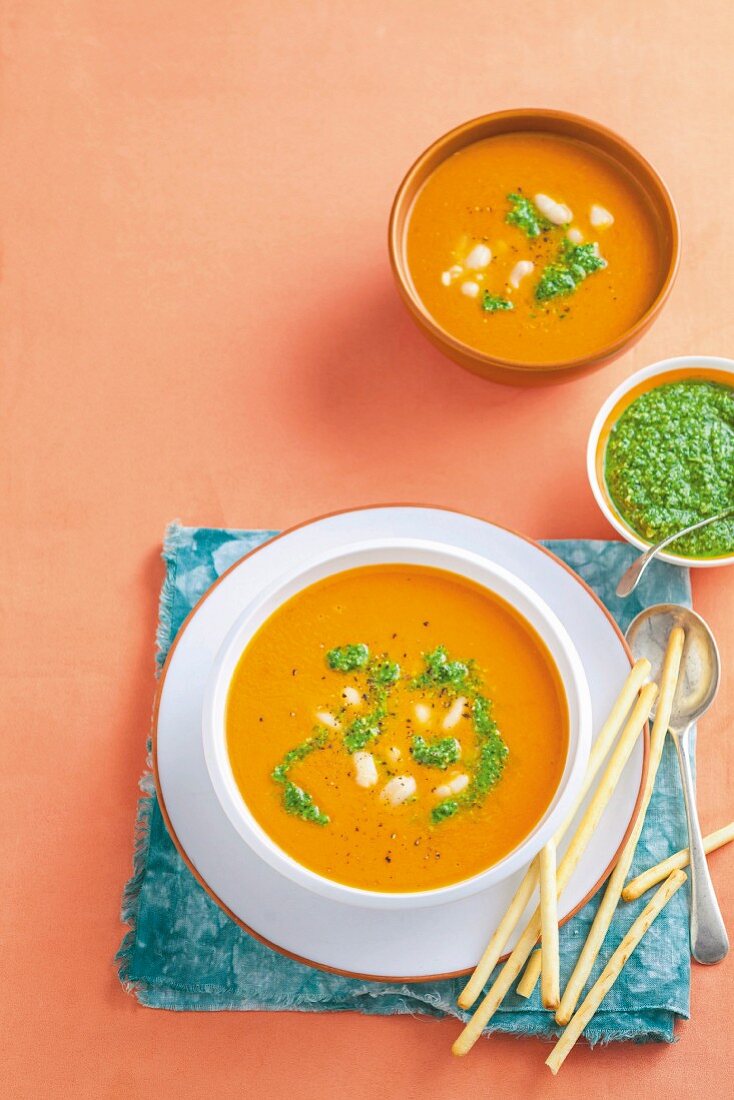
(647, 635)
(631, 577)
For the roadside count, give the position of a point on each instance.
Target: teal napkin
(183, 952)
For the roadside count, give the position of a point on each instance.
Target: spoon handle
(631, 577)
(709, 941)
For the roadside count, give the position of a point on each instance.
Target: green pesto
(347, 658)
(382, 672)
(450, 679)
(437, 753)
(443, 810)
(493, 303)
(492, 756)
(300, 803)
(526, 216)
(296, 801)
(300, 752)
(670, 461)
(440, 672)
(442, 677)
(575, 262)
(382, 676)
(362, 730)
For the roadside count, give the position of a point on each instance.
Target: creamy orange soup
(534, 248)
(396, 728)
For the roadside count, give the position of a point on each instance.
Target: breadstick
(501, 935)
(532, 972)
(567, 866)
(636, 887)
(529, 980)
(599, 751)
(612, 894)
(550, 993)
(612, 970)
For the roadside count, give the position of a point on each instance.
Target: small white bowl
(415, 552)
(709, 367)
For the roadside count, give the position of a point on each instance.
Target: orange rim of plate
(181, 851)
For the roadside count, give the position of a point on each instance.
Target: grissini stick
(613, 892)
(567, 866)
(612, 970)
(636, 887)
(550, 993)
(599, 751)
(529, 979)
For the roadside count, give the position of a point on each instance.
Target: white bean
(454, 786)
(446, 278)
(599, 216)
(479, 257)
(575, 235)
(327, 719)
(556, 212)
(398, 790)
(394, 753)
(471, 289)
(351, 696)
(521, 270)
(365, 769)
(454, 714)
(422, 712)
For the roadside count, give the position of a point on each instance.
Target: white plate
(417, 944)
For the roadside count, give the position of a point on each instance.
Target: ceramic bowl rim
(453, 559)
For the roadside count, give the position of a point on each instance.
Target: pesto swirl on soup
(396, 728)
(534, 247)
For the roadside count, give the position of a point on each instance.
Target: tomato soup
(534, 248)
(397, 728)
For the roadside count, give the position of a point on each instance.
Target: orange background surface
(198, 322)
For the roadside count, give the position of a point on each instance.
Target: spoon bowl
(700, 673)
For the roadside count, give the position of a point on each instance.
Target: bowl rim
(404, 197)
(450, 558)
(675, 365)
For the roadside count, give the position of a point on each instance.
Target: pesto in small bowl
(670, 461)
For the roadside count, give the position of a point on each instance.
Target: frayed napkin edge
(146, 802)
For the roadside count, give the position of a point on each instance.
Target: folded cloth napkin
(183, 952)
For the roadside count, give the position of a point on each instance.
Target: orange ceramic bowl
(568, 126)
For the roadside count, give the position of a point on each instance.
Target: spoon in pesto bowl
(631, 577)
(648, 635)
